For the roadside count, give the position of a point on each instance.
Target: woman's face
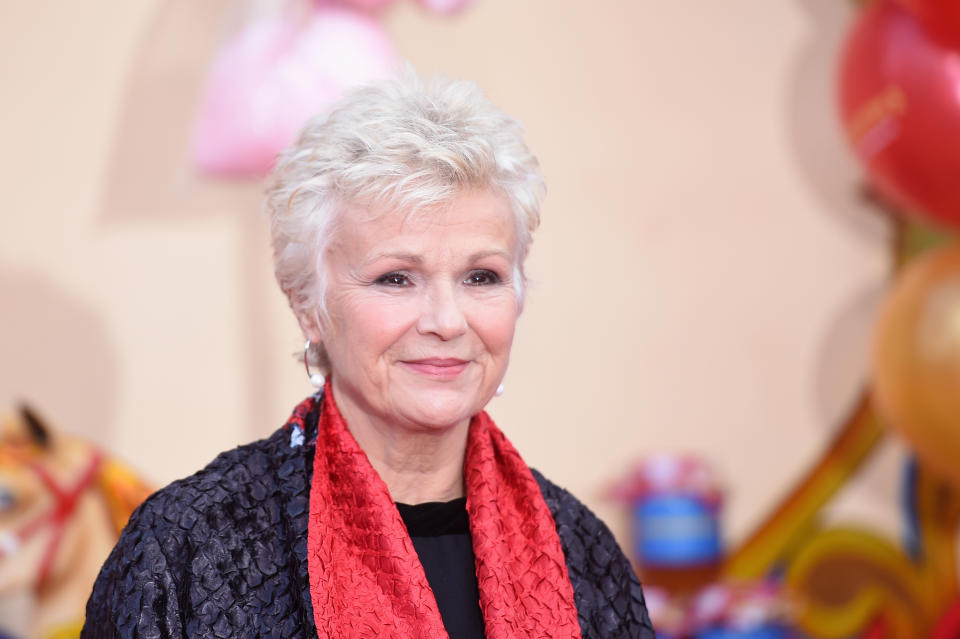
(421, 311)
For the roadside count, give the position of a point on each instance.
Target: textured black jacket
(223, 553)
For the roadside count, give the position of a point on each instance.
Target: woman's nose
(442, 315)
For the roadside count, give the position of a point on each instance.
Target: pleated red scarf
(365, 577)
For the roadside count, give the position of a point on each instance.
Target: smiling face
(421, 311)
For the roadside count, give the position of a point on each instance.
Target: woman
(389, 505)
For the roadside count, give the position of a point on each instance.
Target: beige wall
(703, 278)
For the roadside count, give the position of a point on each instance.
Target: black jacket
(223, 553)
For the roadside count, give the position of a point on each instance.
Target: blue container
(764, 631)
(675, 530)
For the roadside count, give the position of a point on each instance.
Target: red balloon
(899, 97)
(940, 17)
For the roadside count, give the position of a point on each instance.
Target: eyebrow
(491, 253)
(416, 259)
(403, 257)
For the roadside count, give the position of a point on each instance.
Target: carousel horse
(63, 503)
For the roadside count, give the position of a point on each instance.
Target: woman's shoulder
(608, 595)
(231, 486)
(212, 542)
(575, 520)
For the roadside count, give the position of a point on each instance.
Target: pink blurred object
(444, 7)
(273, 75)
(363, 5)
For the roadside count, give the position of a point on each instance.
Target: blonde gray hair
(405, 144)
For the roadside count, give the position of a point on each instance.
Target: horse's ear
(39, 433)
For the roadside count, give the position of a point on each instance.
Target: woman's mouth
(437, 367)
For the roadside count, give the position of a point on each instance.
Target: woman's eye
(394, 279)
(482, 278)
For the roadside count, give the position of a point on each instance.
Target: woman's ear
(309, 321)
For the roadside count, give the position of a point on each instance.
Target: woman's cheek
(496, 322)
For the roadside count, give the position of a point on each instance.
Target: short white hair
(404, 144)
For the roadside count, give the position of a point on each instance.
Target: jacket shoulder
(197, 553)
(221, 495)
(607, 593)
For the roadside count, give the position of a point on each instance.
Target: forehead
(474, 221)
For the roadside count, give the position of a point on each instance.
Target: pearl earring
(317, 379)
(499, 391)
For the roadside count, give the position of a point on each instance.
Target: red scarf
(365, 577)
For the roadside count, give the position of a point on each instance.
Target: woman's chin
(438, 408)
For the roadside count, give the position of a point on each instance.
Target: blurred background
(705, 283)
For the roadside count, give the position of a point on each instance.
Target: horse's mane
(122, 489)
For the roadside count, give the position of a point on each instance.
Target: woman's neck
(418, 465)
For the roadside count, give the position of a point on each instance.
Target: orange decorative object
(847, 579)
(916, 360)
(847, 582)
(938, 519)
(796, 517)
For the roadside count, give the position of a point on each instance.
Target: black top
(223, 553)
(440, 532)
